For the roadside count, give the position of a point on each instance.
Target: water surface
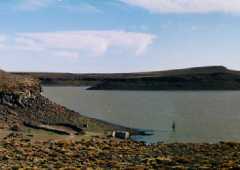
(200, 116)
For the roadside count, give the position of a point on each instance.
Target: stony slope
(21, 104)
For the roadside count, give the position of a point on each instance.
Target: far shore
(198, 78)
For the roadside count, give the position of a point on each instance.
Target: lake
(199, 116)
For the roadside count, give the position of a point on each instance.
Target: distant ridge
(196, 78)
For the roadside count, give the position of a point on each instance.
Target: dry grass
(16, 83)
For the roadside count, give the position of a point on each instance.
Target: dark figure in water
(173, 126)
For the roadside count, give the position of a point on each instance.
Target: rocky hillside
(21, 104)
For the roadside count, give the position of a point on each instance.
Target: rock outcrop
(21, 103)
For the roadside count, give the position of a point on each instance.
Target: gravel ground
(18, 151)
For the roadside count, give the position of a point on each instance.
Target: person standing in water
(173, 126)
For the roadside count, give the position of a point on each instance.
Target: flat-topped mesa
(198, 78)
(214, 68)
(206, 69)
(14, 88)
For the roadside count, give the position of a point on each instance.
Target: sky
(83, 36)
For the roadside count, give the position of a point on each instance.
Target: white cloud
(187, 6)
(94, 42)
(89, 43)
(81, 8)
(22, 43)
(66, 54)
(31, 5)
(3, 40)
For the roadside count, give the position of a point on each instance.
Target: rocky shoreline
(19, 151)
(22, 107)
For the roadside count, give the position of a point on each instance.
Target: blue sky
(118, 35)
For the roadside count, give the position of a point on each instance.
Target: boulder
(121, 134)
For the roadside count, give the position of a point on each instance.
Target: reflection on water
(199, 116)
